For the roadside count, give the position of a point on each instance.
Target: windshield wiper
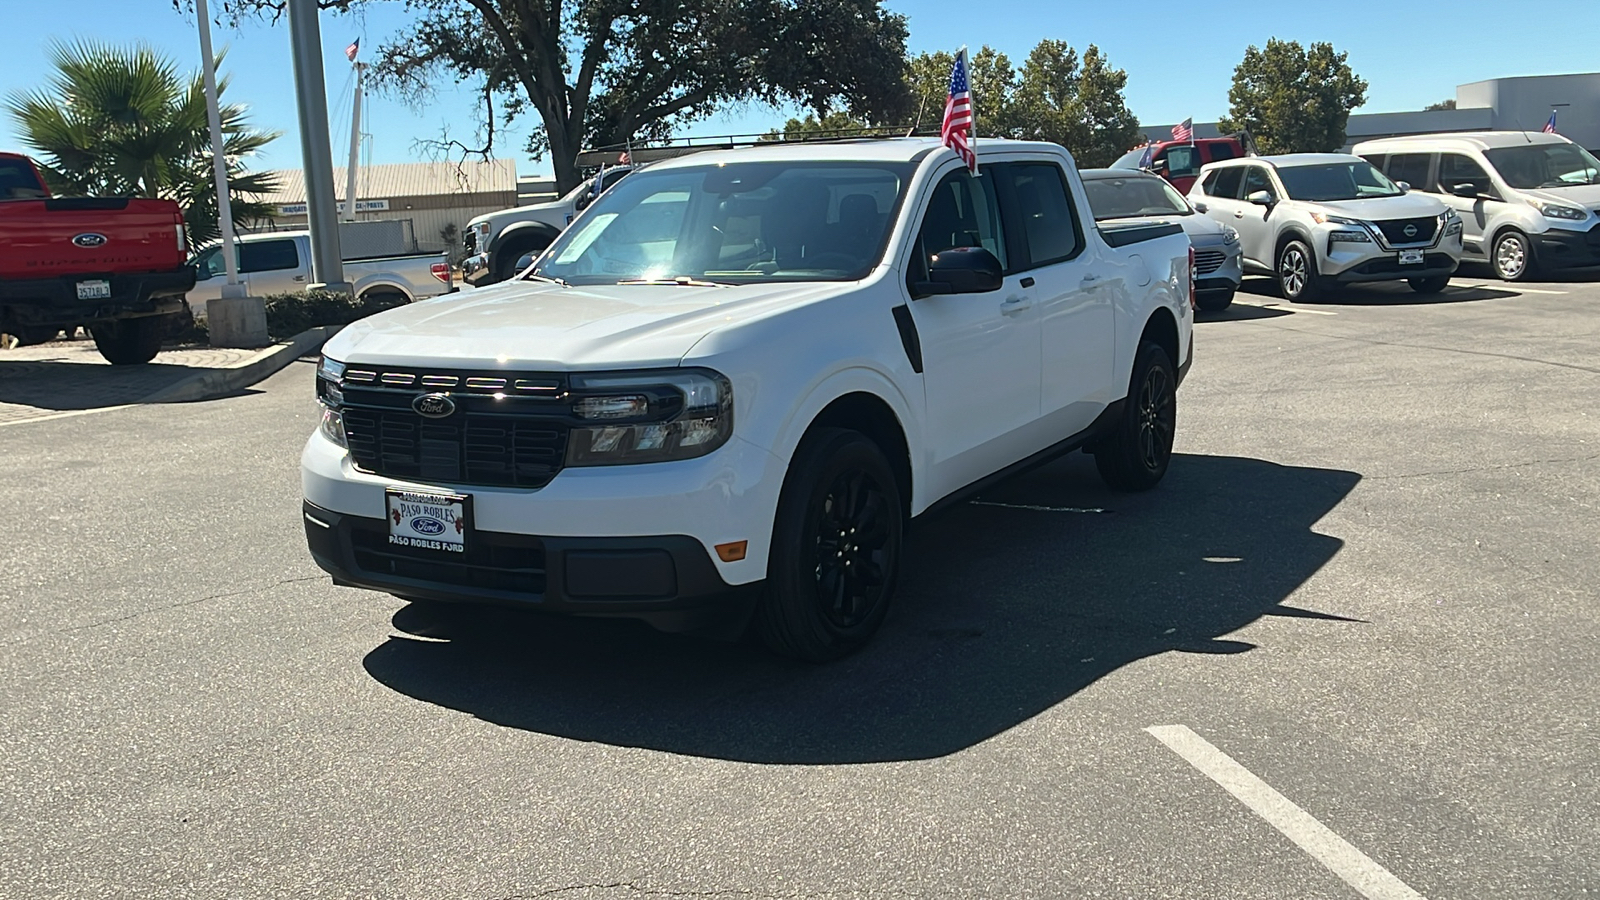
(682, 280)
(550, 278)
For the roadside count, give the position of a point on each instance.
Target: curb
(222, 382)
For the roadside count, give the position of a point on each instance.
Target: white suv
(715, 400)
(1313, 220)
(1530, 201)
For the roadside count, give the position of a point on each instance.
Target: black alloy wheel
(1135, 456)
(835, 548)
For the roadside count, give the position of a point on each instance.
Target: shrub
(290, 314)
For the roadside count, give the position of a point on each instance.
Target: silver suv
(1313, 220)
(1529, 200)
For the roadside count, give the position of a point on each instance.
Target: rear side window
(1412, 168)
(1224, 182)
(1183, 161)
(1050, 229)
(267, 256)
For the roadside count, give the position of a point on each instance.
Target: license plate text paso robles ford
(428, 521)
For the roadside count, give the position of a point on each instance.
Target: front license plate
(94, 290)
(428, 521)
(1410, 257)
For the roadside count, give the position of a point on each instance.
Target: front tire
(1135, 456)
(1429, 285)
(129, 342)
(1512, 257)
(835, 549)
(1297, 273)
(506, 265)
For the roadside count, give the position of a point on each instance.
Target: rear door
(271, 266)
(1074, 290)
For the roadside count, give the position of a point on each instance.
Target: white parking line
(1356, 868)
(1292, 309)
(1498, 286)
(1065, 509)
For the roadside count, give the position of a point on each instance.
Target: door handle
(299, 278)
(1014, 304)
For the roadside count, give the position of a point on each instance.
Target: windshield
(1354, 180)
(1545, 165)
(1129, 160)
(1123, 198)
(738, 223)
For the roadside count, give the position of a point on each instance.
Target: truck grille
(1208, 261)
(506, 431)
(1394, 230)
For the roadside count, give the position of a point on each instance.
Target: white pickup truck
(279, 262)
(497, 243)
(717, 399)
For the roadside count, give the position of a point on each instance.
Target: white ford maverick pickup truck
(717, 398)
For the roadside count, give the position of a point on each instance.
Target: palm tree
(117, 121)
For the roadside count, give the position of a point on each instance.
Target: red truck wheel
(129, 342)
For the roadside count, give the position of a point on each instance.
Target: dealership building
(1500, 104)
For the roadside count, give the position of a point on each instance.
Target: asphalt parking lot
(1347, 649)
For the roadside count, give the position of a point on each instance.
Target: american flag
(1184, 131)
(956, 132)
(1550, 126)
(351, 51)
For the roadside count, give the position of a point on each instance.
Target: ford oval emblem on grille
(89, 240)
(434, 406)
(1409, 231)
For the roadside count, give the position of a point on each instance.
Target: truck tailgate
(89, 235)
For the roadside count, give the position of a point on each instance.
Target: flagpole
(972, 107)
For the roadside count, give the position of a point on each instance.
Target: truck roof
(1477, 140)
(900, 149)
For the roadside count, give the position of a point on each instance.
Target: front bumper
(1562, 249)
(54, 301)
(1218, 278)
(1349, 262)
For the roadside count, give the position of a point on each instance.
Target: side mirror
(962, 270)
(583, 202)
(1466, 190)
(1200, 207)
(1159, 165)
(1404, 186)
(1260, 198)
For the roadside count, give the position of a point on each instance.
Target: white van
(1527, 199)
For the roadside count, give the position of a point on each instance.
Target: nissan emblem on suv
(433, 406)
(89, 239)
(1409, 231)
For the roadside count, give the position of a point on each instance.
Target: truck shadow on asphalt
(69, 386)
(1004, 612)
(1395, 293)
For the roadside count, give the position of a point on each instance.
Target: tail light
(181, 232)
(1194, 275)
(441, 271)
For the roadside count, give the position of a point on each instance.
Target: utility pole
(355, 149)
(305, 42)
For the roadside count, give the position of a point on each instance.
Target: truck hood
(547, 211)
(1405, 206)
(1585, 195)
(523, 325)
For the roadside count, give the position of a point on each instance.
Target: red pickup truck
(1179, 161)
(116, 265)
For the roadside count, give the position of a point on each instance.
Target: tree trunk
(564, 147)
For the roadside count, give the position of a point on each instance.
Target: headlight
(644, 417)
(1229, 236)
(1349, 237)
(1325, 219)
(330, 373)
(1557, 211)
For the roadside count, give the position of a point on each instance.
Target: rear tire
(835, 549)
(1429, 285)
(129, 342)
(1135, 456)
(33, 335)
(1214, 302)
(1298, 280)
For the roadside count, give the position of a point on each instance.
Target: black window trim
(1011, 220)
(1273, 187)
(915, 266)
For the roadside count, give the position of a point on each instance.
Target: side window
(612, 176)
(1255, 179)
(209, 264)
(962, 213)
(267, 256)
(1220, 152)
(1225, 182)
(1044, 210)
(1412, 168)
(1182, 161)
(1458, 168)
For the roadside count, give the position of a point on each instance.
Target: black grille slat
(522, 446)
(1394, 230)
(1208, 261)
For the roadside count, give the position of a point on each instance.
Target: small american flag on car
(1550, 126)
(1184, 131)
(956, 133)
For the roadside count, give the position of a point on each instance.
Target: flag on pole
(1184, 131)
(956, 133)
(624, 159)
(351, 51)
(1550, 126)
(1144, 158)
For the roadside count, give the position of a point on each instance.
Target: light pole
(322, 211)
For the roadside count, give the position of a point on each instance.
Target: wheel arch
(521, 234)
(1292, 233)
(862, 400)
(1162, 329)
(869, 415)
(383, 284)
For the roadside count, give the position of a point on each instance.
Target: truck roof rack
(623, 154)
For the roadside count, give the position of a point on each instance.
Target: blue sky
(1178, 64)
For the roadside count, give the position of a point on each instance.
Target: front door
(1074, 291)
(1475, 212)
(980, 352)
(1251, 220)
